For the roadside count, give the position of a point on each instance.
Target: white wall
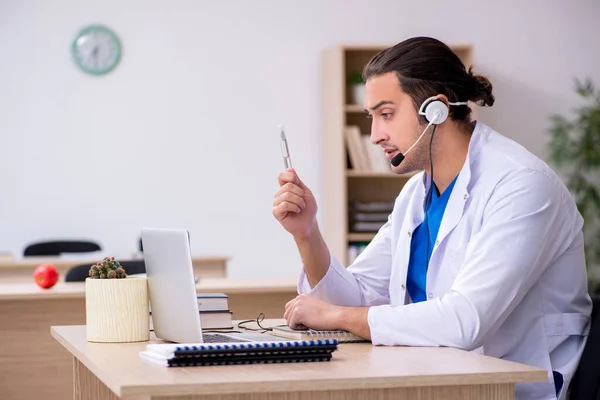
(182, 133)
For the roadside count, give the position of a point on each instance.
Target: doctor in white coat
(489, 258)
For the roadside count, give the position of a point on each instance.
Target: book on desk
(212, 301)
(187, 355)
(214, 311)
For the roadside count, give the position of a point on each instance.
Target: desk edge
(105, 379)
(332, 384)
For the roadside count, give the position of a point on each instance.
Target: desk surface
(353, 366)
(69, 261)
(65, 290)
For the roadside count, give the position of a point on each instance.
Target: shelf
(361, 237)
(355, 108)
(376, 174)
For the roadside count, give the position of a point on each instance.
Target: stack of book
(186, 355)
(214, 311)
(368, 217)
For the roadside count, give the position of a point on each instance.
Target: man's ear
(443, 97)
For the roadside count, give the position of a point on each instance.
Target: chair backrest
(55, 247)
(586, 382)
(80, 272)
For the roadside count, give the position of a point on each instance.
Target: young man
(487, 256)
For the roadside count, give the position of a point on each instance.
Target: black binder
(240, 353)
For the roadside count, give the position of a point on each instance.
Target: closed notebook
(176, 355)
(310, 334)
(212, 301)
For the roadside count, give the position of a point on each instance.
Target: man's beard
(418, 157)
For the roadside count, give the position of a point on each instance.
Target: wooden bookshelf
(360, 237)
(343, 184)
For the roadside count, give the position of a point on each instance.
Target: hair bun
(482, 90)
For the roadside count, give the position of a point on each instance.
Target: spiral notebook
(309, 334)
(184, 355)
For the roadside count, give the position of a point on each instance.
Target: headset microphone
(397, 159)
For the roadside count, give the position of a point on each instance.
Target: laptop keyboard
(218, 338)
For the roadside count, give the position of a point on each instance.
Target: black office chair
(80, 272)
(55, 247)
(586, 381)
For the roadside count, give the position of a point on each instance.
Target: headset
(435, 112)
(433, 106)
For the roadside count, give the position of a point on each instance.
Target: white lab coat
(507, 274)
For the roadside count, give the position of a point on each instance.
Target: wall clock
(96, 50)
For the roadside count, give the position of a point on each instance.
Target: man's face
(395, 124)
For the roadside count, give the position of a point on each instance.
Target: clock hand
(95, 55)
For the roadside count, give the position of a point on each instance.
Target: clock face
(96, 50)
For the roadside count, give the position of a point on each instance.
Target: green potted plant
(116, 304)
(356, 85)
(575, 149)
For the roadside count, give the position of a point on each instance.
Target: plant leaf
(562, 148)
(575, 146)
(586, 88)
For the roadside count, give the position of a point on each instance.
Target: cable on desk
(259, 318)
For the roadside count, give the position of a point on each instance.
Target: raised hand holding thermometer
(287, 161)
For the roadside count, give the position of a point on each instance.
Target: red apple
(45, 275)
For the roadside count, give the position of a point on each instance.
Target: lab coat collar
(479, 136)
(460, 193)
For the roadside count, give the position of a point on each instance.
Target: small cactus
(108, 268)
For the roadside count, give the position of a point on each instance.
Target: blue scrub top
(419, 253)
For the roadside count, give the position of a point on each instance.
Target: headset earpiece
(432, 106)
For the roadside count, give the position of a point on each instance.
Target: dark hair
(426, 67)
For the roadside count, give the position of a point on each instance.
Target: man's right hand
(295, 206)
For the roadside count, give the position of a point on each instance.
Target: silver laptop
(172, 291)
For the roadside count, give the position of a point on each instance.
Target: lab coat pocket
(451, 264)
(456, 258)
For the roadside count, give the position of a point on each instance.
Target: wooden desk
(33, 365)
(357, 371)
(22, 270)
